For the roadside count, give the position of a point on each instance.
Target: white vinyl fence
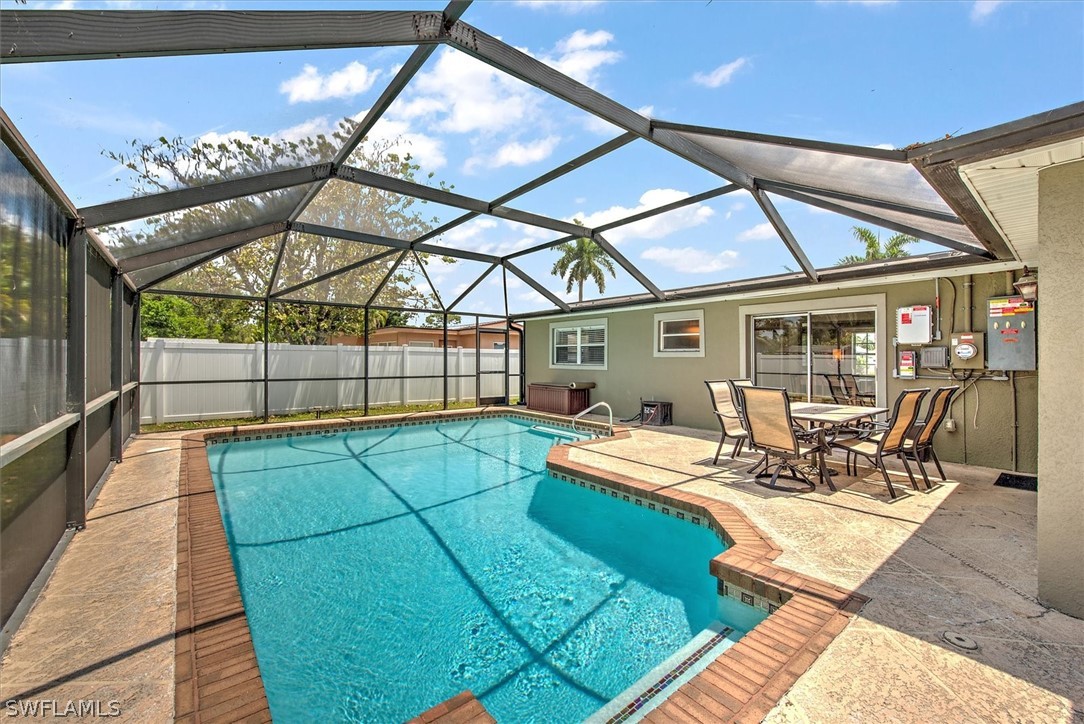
(210, 365)
(789, 371)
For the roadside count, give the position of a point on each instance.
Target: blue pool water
(384, 571)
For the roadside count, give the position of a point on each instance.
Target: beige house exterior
(985, 432)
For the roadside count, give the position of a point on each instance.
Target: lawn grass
(302, 416)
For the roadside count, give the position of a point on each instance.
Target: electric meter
(968, 351)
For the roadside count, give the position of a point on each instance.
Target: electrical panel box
(968, 351)
(914, 325)
(907, 365)
(934, 357)
(1010, 333)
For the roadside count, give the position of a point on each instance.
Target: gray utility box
(1010, 333)
(967, 351)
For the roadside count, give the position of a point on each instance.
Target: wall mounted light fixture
(1028, 285)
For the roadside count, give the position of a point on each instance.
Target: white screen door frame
(864, 302)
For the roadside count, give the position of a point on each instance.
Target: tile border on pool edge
(216, 676)
(273, 431)
(749, 678)
(730, 590)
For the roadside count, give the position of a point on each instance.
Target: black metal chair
(891, 442)
(726, 412)
(736, 385)
(922, 433)
(836, 389)
(850, 384)
(772, 431)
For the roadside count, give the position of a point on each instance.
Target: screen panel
(33, 302)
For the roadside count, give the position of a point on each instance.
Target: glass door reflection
(781, 354)
(797, 351)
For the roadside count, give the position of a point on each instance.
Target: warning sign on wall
(1010, 307)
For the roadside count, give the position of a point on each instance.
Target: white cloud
(758, 232)
(438, 269)
(426, 150)
(310, 85)
(602, 127)
(582, 54)
(568, 7)
(885, 146)
(735, 208)
(655, 227)
(515, 153)
(535, 299)
(306, 129)
(464, 95)
(721, 75)
(688, 260)
(458, 94)
(983, 9)
(464, 233)
(490, 236)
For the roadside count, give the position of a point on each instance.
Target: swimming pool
(386, 570)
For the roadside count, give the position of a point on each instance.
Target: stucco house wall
(984, 425)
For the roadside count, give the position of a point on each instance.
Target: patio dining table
(830, 416)
(827, 415)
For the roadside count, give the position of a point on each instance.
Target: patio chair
(923, 432)
(836, 389)
(736, 385)
(850, 384)
(726, 412)
(773, 432)
(891, 441)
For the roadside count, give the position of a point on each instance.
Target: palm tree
(894, 248)
(581, 260)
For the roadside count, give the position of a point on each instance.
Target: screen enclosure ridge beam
(34, 36)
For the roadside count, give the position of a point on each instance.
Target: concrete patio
(961, 558)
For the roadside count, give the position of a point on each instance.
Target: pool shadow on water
(668, 555)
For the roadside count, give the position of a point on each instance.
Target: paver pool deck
(961, 558)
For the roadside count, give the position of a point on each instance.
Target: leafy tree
(437, 320)
(894, 248)
(583, 259)
(166, 163)
(169, 316)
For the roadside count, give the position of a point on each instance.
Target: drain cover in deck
(960, 641)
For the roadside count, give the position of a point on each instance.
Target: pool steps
(651, 690)
(562, 434)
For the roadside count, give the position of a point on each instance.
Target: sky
(868, 72)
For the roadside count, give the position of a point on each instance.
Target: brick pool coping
(749, 678)
(216, 674)
(217, 677)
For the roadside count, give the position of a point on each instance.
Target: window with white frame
(578, 344)
(679, 334)
(865, 354)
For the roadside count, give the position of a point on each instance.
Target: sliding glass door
(797, 351)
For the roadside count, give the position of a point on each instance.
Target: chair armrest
(815, 434)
